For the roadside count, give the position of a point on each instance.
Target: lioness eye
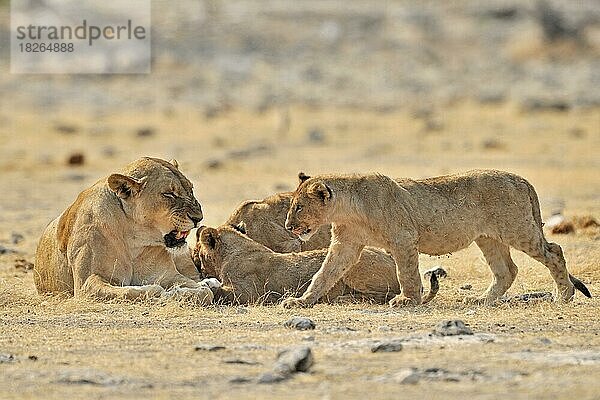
(170, 195)
(298, 208)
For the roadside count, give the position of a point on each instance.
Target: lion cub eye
(298, 208)
(170, 195)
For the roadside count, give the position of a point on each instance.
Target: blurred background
(247, 93)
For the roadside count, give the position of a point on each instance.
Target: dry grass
(124, 350)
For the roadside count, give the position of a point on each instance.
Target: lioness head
(157, 196)
(309, 207)
(210, 246)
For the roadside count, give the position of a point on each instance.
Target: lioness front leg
(100, 288)
(340, 258)
(407, 271)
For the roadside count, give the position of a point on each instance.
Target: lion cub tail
(434, 283)
(580, 286)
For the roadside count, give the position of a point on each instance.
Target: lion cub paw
(402, 301)
(295, 302)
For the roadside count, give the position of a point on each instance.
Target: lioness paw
(212, 283)
(152, 290)
(295, 302)
(401, 301)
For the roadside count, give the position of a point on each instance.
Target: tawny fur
(435, 216)
(110, 242)
(251, 272)
(265, 223)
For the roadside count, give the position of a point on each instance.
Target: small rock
(308, 338)
(6, 250)
(300, 323)
(452, 328)
(493, 144)
(384, 328)
(208, 347)
(76, 159)
(316, 135)
(298, 359)
(6, 358)
(239, 361)
(21, 263)
(16, 238)
(66, 129)
(466, 287)
(408, 376)
(545, 341)
(272, 377)
(33, 357)
(533, 296)
(240, 379)
(214, 164)
(242, 310)
(387, 347)
(146, 132)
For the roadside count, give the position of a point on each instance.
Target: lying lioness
(112, 241)
(433, 216)
(251, 272)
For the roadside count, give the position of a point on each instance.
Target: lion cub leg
(407, 272)
(503, 268)
(551, 255)
(99, 288)
(340, 258)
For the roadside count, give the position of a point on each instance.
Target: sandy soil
(71, 348)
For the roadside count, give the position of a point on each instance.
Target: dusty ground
(90, 350)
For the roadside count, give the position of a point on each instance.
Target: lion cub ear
(125, 186)
(320, 191)
(302, 177)
(209, 237)
(174, 163)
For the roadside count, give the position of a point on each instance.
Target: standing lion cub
(495, 209)
(119, 237)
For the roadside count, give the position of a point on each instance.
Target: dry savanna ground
(65, 348)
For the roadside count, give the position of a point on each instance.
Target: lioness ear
(125, 186)
(209, 237)
(320, 191)
(240, 227)
(302, 177)
(175, 163)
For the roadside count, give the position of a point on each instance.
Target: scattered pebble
(23, 264)
(387, 347)
(6, 250)
(407, 376)
(466, 287)
(6, 358)
(33, 357)
(452, 328)
(214, 164)
(316, 135)
(208, 347)
(16, 238)
(290, 361)
(239, 361)
(493, 144)
(76, 159)
(66, 129)
(240, 379)
(545, 341)
(146, 132)
(532, 296)
(300, 323)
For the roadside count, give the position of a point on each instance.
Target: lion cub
(251, 272)
(495, 209)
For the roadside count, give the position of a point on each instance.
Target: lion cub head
(209, 247)
(157, 196)
(309, 207)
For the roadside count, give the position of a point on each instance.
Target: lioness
(112, 241)
(251, 272)
(265, 223)
(434, 216)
